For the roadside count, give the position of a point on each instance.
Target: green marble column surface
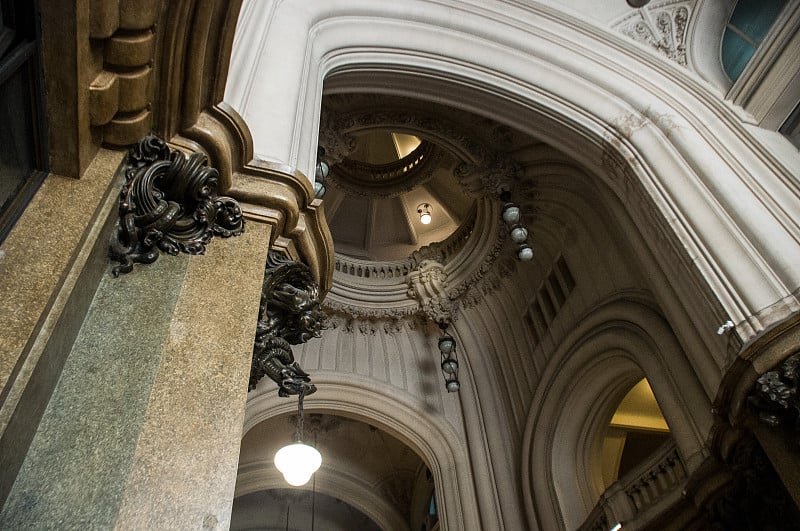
(144, 426)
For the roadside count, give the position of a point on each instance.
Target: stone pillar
(143, 429)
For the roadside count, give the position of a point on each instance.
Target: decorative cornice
(169, 203)
(489, 177)
(268, 192)
(463, 259)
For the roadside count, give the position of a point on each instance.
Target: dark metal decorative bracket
(290, 314)
(169, 203)
(776, 397)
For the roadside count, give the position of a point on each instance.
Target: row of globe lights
(512, 217)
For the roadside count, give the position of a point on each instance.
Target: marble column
(143, 429)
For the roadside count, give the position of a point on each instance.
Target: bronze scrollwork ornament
(776, 397)
(169, 203)
(290, 314)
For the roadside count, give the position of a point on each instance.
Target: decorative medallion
(169, 203)
(289, 314)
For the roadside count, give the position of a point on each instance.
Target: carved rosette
(169, 203)
(289, 314)
(776, 399)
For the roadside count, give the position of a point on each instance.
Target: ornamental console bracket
(289, 314)
(776, 397)
(169, 203)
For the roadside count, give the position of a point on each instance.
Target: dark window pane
(755, 17)
(16, 135)
(735, 54)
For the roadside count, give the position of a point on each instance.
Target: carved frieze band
(169, 203)
(776, 398)
(289, 314)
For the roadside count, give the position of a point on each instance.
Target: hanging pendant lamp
(297, 461)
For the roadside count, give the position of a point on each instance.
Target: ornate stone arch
(616, 344)
(435, 441)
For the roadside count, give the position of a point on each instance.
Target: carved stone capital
(289, 314)
(775, 398)
(169, 203)
(428, 285)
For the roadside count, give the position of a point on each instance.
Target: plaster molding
(661, 26)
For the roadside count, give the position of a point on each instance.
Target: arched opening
(597, 365)
(385, 418)
(636, 431)
(369, 479)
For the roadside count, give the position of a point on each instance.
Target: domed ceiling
(375, 193)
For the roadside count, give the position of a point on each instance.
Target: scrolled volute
(169, 203)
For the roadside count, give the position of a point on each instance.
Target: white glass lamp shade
(519, 234)
(450, 366)
(446, 345)
(525, 253)
(297, 462)
(511, 214)
(322, 169)
(425, 219)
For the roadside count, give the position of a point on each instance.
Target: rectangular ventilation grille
(550, 298)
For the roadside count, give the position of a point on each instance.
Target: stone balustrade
(372, 270)
(656, 481)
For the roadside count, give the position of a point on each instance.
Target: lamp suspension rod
(299, 430)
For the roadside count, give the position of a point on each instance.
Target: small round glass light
(322, 170)
(511, 214)
(453, 386)
(424, 211)
(525, 253)
(450, 366)
(297, 462)
(519, 234)
(446, 345)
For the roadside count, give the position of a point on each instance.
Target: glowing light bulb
(297, 462)
(424, 211)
